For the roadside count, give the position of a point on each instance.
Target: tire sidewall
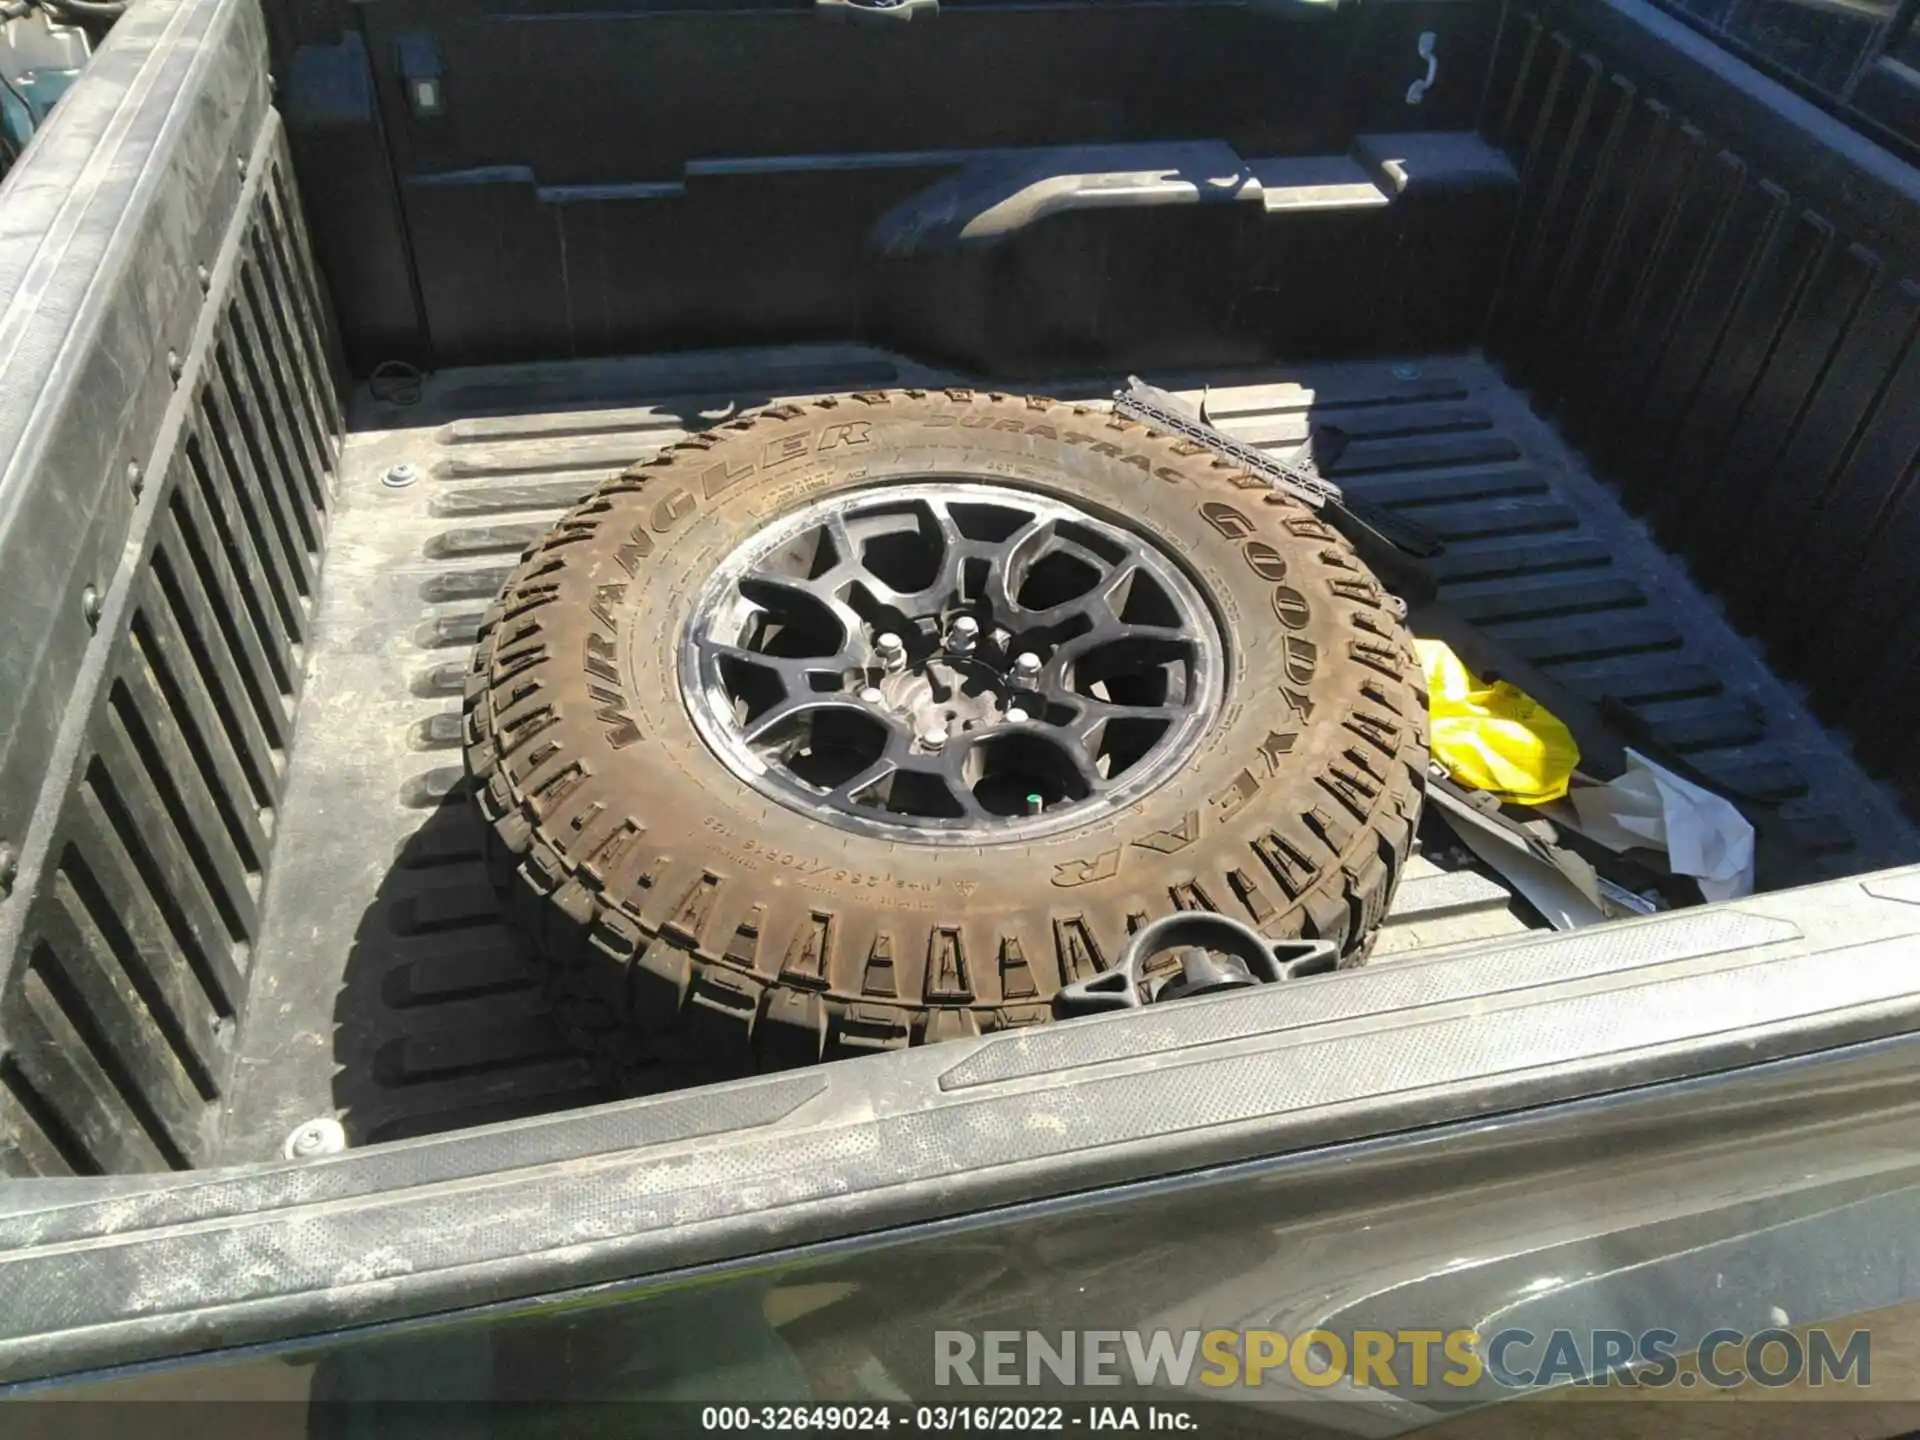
(1266, 568)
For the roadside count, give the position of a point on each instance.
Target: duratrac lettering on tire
(672, 891)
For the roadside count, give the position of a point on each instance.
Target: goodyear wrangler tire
(872, 721)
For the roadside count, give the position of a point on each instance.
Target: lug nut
(962, 634)
(1026, 665)
(935, 739)
(871, 696)
(1017, 716)
(891, 649)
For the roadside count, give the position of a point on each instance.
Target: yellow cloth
(1494, 737)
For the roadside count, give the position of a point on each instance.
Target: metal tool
(1368, 526)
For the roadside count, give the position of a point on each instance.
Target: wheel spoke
(792, 670)
(846, 554)
(949, 766)
(818, 591)
(756, 731)
(1114, 634)
(1082, 760)
(1096, 715)
(954, 548)
(1014, 563)
(951, 538)
(842, 732)
(1098, 608)
(879, 770)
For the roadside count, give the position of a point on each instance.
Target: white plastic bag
(1651, 808)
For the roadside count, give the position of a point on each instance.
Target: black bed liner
(242, 883)
(238, 883)
(383, 985)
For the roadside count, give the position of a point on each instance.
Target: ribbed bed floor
(385, 989)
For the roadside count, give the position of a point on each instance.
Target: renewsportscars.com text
(1400, 1359)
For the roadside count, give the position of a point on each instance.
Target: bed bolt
(175, 365)
(90, 606)
(398, 477)
(324, 1136)
(9, 868)
(136, 478)
(204, 276)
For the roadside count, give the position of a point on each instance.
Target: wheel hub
(942, 696)
(951, 663)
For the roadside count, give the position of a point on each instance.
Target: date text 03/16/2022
(945, 1419)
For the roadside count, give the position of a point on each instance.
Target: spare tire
(875, 720)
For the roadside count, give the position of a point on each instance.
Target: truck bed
(383, 986)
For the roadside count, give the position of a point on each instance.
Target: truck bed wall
(169, 421)
(1013, 188)
(178, 326)
(1715, 288)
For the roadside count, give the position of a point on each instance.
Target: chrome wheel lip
(710, 704)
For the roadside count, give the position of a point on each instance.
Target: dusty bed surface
(385, 989)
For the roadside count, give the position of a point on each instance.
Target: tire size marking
(812, 865)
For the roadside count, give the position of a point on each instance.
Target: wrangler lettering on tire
(875, 720)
